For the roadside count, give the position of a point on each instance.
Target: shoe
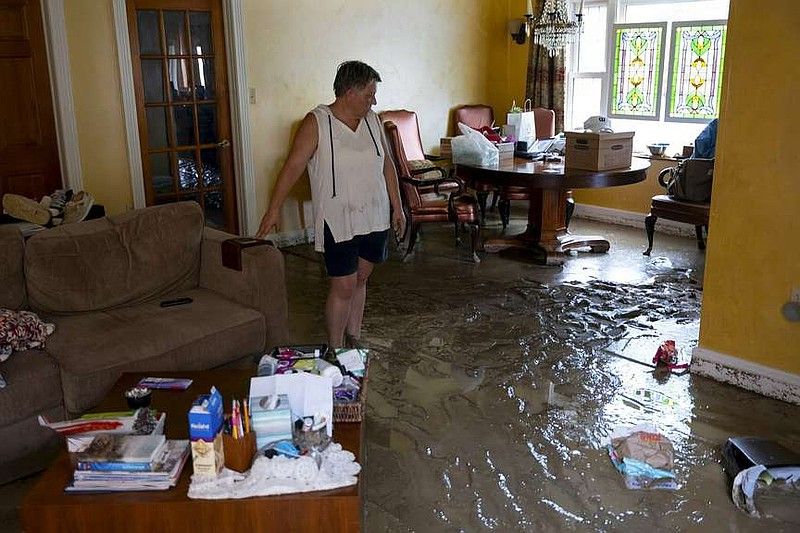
(78, 207)
(26, 209)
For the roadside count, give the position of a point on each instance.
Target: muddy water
(490, 409)
(493, 389)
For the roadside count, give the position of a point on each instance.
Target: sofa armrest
(261, 284)
(12, 277)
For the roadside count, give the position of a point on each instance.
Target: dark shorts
(341, 258)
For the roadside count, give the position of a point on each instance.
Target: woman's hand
(398, 223)
(268, 222)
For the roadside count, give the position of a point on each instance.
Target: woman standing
(353, 189)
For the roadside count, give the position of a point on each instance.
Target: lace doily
(281, 475)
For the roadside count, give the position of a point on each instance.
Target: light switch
(252, 95)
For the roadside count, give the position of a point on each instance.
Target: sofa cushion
(108, 263)
(20, 399)
(12, 280)
(93, 349)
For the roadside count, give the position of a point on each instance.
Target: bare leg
(359, 298)
(337, 308)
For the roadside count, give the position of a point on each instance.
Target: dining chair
(424, 199)
(423, 165)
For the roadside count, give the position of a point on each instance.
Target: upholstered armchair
(475, 116)
(423, 187)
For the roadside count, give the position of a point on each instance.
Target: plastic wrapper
(473, 148)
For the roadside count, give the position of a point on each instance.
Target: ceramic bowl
(657, 148)
(138, 397)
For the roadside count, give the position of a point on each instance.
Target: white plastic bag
(524, 123)
(472, 148)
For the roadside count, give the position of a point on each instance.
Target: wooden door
(29, 162)
(179, 69)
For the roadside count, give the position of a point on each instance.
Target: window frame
(615, 15)
(675, 27)
(659, 84)
(572, 62)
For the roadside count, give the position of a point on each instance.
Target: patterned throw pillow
(421, 164)
(21, 330)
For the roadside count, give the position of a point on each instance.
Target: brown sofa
(100, 282)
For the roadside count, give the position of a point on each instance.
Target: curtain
(546, 77)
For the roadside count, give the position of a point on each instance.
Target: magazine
(122, 448)
(165, 383)
(163, 474)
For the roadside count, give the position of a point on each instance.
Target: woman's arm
(304, 146)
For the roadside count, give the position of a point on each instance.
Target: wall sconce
(518, 28)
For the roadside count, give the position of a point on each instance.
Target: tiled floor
(494, 386)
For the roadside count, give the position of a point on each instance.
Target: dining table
(548, 184)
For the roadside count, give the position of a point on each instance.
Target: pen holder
(239, 453)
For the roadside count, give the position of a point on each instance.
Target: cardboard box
(598, 151)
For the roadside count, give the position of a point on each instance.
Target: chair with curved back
(423, 189)
(421, 164)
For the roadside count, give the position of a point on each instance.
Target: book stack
(505, 150)
(271, 418)
(445, 148)
(114, 463)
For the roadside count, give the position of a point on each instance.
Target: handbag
(690, 181)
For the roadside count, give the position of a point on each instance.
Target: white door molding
(239, 104)
(55, 31)
(129, 104)
(240, 117)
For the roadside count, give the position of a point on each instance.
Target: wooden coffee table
(48, 508)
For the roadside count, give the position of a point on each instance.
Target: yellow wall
(98, 102)
(753, 256)
(634, 198)
(508, 72)
(430, 54)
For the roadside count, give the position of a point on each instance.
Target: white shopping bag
(524, 123)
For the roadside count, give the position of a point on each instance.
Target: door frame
(240, 111)
(55, 35)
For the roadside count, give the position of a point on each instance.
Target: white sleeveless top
(348, 189)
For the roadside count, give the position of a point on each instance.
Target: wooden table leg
(547, 230)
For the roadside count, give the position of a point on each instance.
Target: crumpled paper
(644, 456)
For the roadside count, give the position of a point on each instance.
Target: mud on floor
(488, 409)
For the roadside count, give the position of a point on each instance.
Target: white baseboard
(748, 375)
(630, 218)
(292, 238)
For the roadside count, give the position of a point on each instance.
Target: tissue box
(205, 432)
(268, 424)
(598, 151)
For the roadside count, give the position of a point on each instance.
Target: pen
(246, 416)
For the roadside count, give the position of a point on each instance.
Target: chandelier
(555, 28)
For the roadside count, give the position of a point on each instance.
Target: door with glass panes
(179, 70)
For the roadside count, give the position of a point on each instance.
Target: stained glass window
(695, 83)
(636, 76)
